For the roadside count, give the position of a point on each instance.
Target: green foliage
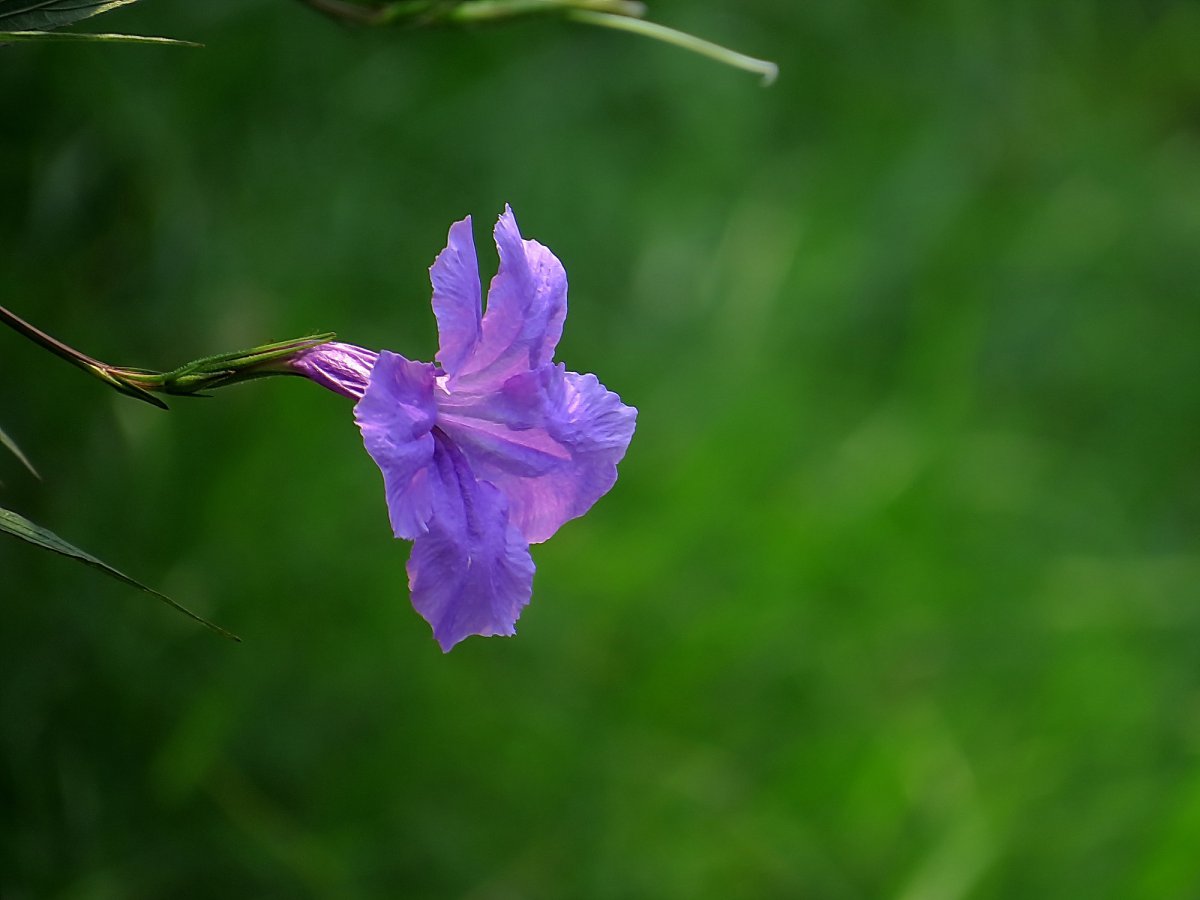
(21, 528)
(46, 15)
(24, 21)
(897, 593)
(11, 446)
(85, 37)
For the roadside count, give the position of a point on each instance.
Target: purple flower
(493, 449)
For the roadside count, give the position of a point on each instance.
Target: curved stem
(93, 367)
(434, 11)
(188, 379)
(39, 337)
(768, 70)
(484, 10)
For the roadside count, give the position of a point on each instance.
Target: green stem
(423, 12)
(189, 379)
(487, 10)
(39, 337)
(768, 70)
(621, 15)
(365, 15)
(93, 367)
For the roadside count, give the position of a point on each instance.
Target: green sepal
(215, 371)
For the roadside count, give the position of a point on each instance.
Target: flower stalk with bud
(491, 449)
(193, 378)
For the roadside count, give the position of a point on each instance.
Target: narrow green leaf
(79, 36)
(20, 527)
(43, 15)
(12, 448)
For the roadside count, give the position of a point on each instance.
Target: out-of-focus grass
(897, 593)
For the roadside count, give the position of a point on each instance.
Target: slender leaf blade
(11, 445)
(20, 527)
(43, 15)
(85, 37)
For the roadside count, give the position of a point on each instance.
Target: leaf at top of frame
(41, 15)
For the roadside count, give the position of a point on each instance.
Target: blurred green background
(896, 595)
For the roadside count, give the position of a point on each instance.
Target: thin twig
(768, 70)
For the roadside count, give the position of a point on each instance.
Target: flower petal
(396, 416)
(343, 368)
(471, 572)
(456, 298)
(550, 440)
(527, 303)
